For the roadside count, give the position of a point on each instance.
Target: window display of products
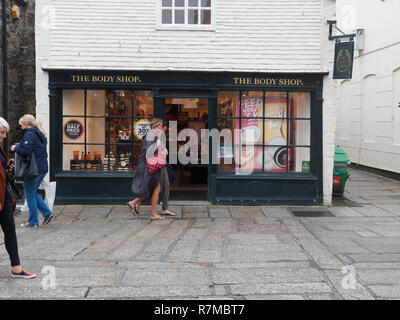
(106, 119)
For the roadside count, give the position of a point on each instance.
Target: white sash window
(186, 14)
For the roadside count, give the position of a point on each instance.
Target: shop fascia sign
(262, 81)
(105, 78)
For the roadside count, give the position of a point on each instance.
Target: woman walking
(34, 141)
(6, 216)
(144, 184)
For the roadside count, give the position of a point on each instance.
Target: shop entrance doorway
(191, 182)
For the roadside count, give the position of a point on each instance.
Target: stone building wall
(21, 65)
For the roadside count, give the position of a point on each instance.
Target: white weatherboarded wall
(368, 122)
(253, 35)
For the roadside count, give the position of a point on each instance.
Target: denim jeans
(34, 200)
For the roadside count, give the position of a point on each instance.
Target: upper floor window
(186, 14)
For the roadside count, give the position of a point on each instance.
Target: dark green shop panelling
(93, 190)
(264, 191)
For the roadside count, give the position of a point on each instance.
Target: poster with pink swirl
(263, 140)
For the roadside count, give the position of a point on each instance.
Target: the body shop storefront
(267, 129)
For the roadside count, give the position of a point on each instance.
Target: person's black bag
(13, 194)
(26, 167)
(171, 172)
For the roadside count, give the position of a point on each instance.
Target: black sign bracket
(332, 24)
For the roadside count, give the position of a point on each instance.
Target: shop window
(103, 128)
(186, 14)
(271, 131)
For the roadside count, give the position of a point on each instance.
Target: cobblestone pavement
(217, 252)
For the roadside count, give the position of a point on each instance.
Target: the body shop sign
(73, 129)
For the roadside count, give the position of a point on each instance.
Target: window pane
(167, 3)
(252, 104)
(96, 103)
(193, 3)
(179, 3)
(205, 16)
(248, 159)
(94, 155)
(193, 16)
(299, 159)
(120, 130)
(276, 158)
(143, 104)
(226, 159)
(275, 105)
(72, 155)
(179, 16)
(118, 158)
(250, 131)
(124, 161)
(74, 130)
(118, 124)
(74, 102)
(206, 3)
(300, 133)
(167, 16)
(96, 130)
(275, 132)
(227, 124)
(301, 104)
(228, 102)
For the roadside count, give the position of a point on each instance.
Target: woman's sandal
(133, 209)
(157, 218)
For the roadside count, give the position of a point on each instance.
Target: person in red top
(6, 216)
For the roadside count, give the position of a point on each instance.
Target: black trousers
(10, 235)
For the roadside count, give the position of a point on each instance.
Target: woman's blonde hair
(155, 121)
(32, 121)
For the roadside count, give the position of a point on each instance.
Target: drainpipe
(5, 69)
(5, 66)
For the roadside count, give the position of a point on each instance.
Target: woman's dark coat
(34, 141)
(144, 183)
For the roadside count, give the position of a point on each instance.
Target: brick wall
(21, 66)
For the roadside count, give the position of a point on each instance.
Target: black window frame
(107, 144)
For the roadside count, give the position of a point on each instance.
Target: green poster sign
(305, 166)
(343, 66)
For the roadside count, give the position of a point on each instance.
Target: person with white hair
(6, 216)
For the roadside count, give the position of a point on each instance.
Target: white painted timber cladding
(253, 35)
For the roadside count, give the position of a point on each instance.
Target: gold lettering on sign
(268, 81)
(105, 79)
(243, 80)
(130, 79)
(265, 81)
(76, 78)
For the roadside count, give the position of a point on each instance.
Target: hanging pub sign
(73, 129)
(343, 66)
